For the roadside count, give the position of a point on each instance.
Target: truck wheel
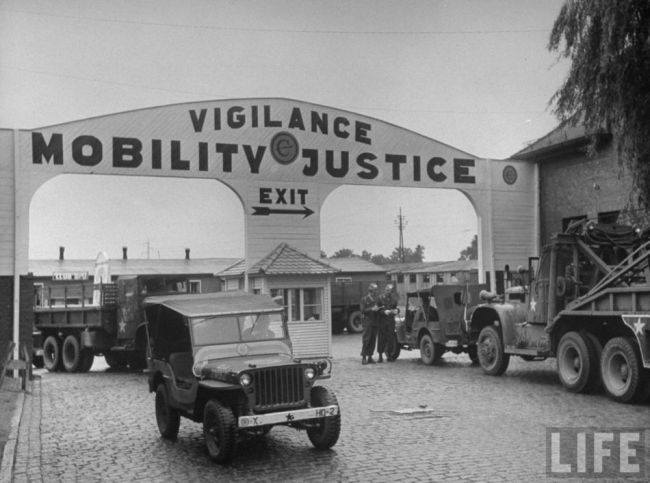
(71, 353)
(87, 359)
(575, 358)
(491, 356)
(325, 433)
(355, 324)
(219, 431)
(622, 374)
(430, 352)
(596, 349)
(51, 353)
(167, 417)
(394, 349)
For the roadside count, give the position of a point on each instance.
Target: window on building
(426, 278)
(400, 278)
(439, 278)
(232, 284)
(301, 303)
(412, 278)
(195, 286)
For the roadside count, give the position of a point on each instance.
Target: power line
(401, 223)
(280, 30)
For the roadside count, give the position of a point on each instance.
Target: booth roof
(283, 260)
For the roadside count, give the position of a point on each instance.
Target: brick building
(573, 184)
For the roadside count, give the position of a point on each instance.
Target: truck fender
(482, 317)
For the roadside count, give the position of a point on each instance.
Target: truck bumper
(287, 416)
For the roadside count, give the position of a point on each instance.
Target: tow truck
(587, 305)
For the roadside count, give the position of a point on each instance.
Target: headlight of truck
(245, 379)
(310, 373)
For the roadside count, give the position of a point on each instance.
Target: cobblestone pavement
(401, 421)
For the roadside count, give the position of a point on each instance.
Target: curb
(9, 453)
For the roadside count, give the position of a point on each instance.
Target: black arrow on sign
(266, 211)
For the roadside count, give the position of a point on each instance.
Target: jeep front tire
(219, 431)
(325, 432)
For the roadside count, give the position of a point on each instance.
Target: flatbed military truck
(587, 305)
(78, 321)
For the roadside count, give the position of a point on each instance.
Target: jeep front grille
(279, 387)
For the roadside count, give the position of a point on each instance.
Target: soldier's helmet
(372, 286)
(389, 287)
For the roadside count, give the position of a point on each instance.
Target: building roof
(355, 264)
(434, 267)
(134, 266)
(283, 260)
(561, 139)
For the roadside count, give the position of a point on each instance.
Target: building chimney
(187, 254)
(61, 252)
(124, 257)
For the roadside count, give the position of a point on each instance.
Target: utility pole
(401, 224)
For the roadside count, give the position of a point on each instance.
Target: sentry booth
(282, 158)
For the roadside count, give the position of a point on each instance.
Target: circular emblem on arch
(509, 174)
(284, 148)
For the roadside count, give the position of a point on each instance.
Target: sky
(473, 74)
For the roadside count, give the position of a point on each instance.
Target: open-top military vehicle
(225, 359)
(435, 322)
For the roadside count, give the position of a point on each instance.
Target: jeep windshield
(228, 329)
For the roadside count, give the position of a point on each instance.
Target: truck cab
(225, 359)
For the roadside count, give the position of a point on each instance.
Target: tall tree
(471, 252)
(343, 253)
(608, 84)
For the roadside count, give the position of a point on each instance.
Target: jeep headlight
(197, 369)
(245, 379)
(310, 373)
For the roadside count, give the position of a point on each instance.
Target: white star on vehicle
(122, 326)
(639, 326)
(533, 305)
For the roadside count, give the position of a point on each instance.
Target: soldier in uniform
(370, 311)
(386, 337)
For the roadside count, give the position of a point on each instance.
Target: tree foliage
(410, 255)
(608, 84)
(471, 252)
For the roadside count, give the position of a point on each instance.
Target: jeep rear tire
(430, 352)
(491, 356)
(51, 353)
(325, 432)
(167, 417)
(219, 431)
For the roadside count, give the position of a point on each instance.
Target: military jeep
(225, 359)
(435, 322)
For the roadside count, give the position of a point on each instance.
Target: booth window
(301, 303)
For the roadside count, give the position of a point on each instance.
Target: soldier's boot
(364, 361)
(381, 358)
(370, 360)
